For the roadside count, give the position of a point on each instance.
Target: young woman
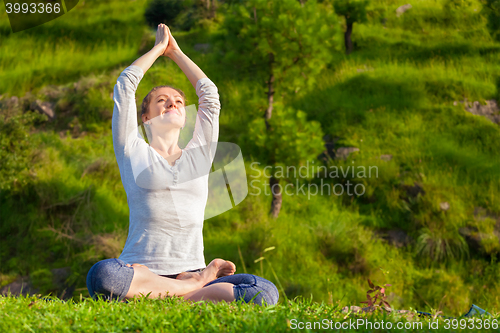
(167, 189)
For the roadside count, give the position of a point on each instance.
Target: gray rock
(387, 157)
(52, 92)
(329, 152)
(342, 153)
(59, 277)
(202, 47)
(402, 9)
(398, 238)
(490, 110)
(415, 190)
(22, 286)
(44, 108)
(444, 206)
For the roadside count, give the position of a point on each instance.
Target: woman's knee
(251, 288)
(267, 290)
(110, 278)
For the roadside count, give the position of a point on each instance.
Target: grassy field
(62, 203)
(144, 315)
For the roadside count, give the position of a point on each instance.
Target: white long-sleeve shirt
(166, 203)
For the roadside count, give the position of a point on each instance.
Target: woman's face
(167, 104)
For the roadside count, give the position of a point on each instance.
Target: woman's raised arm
(190, 69)
(147, 60)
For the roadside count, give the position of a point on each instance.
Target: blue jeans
(111, 278)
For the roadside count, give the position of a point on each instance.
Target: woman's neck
(167, 145)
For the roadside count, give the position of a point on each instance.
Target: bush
(174, 13)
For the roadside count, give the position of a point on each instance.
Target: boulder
(329, 152)
(342, 153)
(44, 108)
(24, 286)
(202, 47)
(402, 9)
(415, 190)
(490, 110)
(387, 157)
(444, 206)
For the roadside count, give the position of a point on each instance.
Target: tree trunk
(274, 183)
(213, 14)
(347, 38)
(270, 92)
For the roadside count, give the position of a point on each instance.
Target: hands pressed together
(166, 41)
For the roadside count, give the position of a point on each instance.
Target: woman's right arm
(124, 122)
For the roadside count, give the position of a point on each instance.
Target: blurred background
(406, 89)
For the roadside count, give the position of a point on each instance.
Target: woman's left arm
(188, 67)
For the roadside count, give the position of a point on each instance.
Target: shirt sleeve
(124, 121)
(206, 130)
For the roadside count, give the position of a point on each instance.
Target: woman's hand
(172, 47)
(162, 37)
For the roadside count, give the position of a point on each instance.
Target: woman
(167, 190)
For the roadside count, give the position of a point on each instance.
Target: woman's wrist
(175, 55)
(158, 50)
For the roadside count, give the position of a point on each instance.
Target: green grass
(393, 95)
(143, 315)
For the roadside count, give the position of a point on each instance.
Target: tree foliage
(353, 11)
(299, 37)
(291, 140)
(180, 14)
(491, 8)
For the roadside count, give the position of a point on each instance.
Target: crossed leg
(114, 279)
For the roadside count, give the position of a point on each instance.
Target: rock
(415, 190)
(481, 213)
(357, 309)
(9, 103)
(444, 206)
(490, 110)
(202, 47)
(342, 153)
(59, 277)
(395, 237)
(353, 309)
(22, 286)
(329, 152)
(398, 238)
(44, 108)
(52, 92)
(472, 237)
(387, 157)
(402, 9)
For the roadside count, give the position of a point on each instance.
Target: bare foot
(218, 268)
(188, 275)
(227, 268)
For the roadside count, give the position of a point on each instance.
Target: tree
(491, 8)
(285, 44)
(353, 11)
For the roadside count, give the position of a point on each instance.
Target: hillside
(428, 222)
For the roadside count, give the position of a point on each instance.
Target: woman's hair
(147, 100)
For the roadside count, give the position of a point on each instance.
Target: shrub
(174, 13)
